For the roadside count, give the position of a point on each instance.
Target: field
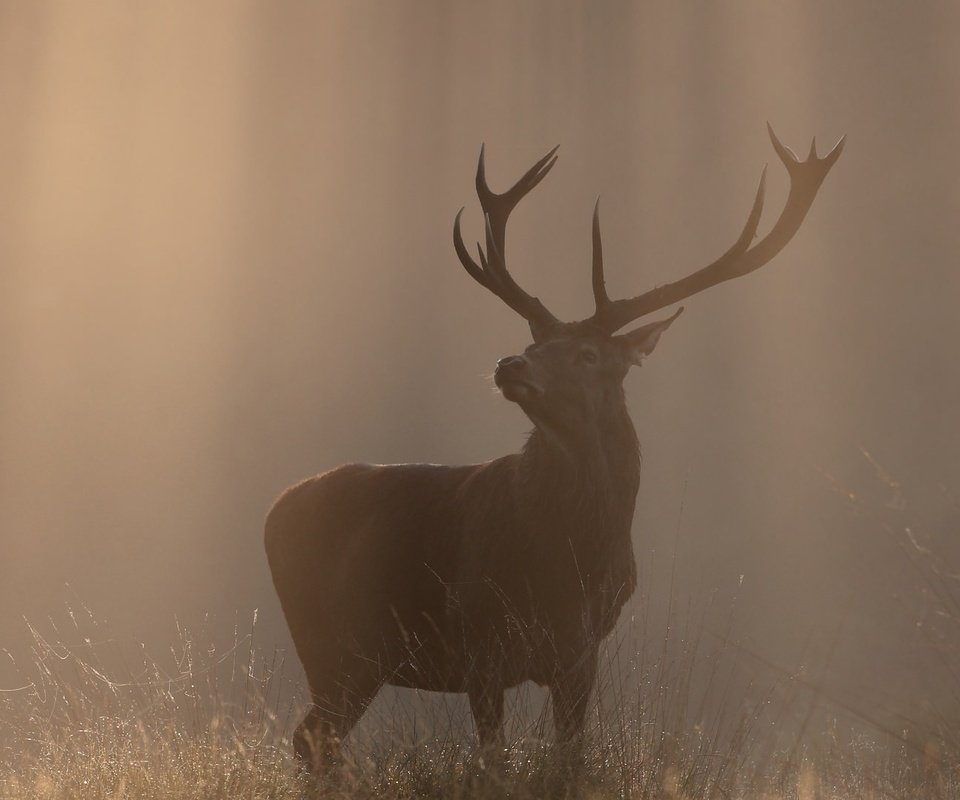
(216, 723)
(682, 711)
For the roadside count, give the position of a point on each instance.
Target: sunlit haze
(226, 264)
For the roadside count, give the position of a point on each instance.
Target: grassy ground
(92, 718)
(216, 724)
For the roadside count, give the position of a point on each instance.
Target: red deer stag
(476, 578)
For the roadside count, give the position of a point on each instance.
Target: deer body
(420, 575)
(477, 578)
(431, 578)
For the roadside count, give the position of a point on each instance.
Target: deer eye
(588, 357)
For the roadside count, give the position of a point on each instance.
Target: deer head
(572, 368)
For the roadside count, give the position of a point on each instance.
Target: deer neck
(583, 483)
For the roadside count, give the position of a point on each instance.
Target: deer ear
(640, 342)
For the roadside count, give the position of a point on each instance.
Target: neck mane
(584, 484)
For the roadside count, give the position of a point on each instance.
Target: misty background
(226, 264)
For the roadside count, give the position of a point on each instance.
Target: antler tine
(499, 206)
(515, 193)
(492, 272)
(473, 269)
(600, 296)
(806, 178)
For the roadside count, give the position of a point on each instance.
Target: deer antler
(611, 315)
(492, 271)
(741, 259)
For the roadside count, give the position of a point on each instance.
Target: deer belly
(415, 644)
(445, 656)
(427, 663)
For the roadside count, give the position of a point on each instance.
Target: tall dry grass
(94, 719)
(677, 715)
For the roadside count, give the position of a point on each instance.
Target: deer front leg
(486, 705)
(570, 693)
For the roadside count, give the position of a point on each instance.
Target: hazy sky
(226, 264)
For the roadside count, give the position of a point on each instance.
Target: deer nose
(509, 362)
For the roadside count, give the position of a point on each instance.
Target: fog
(226, 264)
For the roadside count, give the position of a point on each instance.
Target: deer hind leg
(486, 705)
(570, 694)
(338, 702)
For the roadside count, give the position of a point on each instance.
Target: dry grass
(674, 719)
(216, 724)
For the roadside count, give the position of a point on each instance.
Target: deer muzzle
(513, 379)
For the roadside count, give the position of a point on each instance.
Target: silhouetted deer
(476, 578)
